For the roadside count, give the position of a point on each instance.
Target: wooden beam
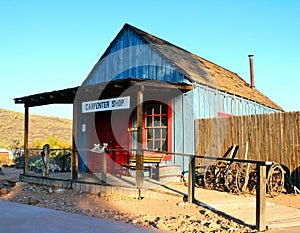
(26, 132)
(74, 156)
(261, 197)
(139, 152)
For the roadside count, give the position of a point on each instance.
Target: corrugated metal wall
(209, 102)
(183, 128)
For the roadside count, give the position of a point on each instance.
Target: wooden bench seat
(151, 161)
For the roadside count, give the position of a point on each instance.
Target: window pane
(164, 109)
(149, 109)
(156, 121)
(164, 147)
(164, 121)
(150, 145)
(157, 145)
(157, 133)
(156, 108)
(164, 133)
(149, 121)
(149, 136)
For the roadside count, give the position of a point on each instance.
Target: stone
(50, 190)
(202, 212)
(60, 190)
(29, 188)
(11, 183)
(21, 184)
(214, 226)
(157, 219)
(32, 201)
(3, 191)
(5, 183)
(182, 203)
(134, 221)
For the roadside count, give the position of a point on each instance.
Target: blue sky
(50, 45)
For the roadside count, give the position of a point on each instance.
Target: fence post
(261, 197)
(46, 160)
(26, 132)
(74, 155)
(191, 184)
(103, 167)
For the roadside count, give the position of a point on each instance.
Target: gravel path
(161, 214)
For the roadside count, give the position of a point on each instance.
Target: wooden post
(191, 187)
(46, 159)
(261, 198)
(139, 153)
(74, 155)
(103, 167)
(26, 126)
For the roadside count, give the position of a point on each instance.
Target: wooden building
(145, 92)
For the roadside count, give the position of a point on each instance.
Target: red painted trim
(144, 143)
(170, 126)
(222, 114)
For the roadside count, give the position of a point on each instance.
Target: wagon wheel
(209, 176)
(275, 180)
(214, 175)
(246, 178)
(231, 181)
(200, 176)
(221, 178)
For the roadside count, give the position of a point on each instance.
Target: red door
(113, 132)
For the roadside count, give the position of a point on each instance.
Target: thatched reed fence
(266, 137)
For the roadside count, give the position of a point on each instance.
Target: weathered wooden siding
(130, 57)
(270, 137)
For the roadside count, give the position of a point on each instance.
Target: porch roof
(67, 96)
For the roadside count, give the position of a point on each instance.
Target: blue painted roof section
(130, 56)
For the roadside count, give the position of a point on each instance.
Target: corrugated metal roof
(205, 72)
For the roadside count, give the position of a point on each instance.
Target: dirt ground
(161, 214)
(290, 200)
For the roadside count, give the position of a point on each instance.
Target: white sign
(107, 104)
